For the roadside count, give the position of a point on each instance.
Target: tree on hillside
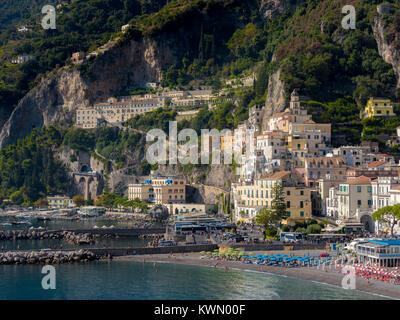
(78, 200)
(17, 197)
(41, 203)
(389, 215)
(278, 202)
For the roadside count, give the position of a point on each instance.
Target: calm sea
(59, 224)
(133, 280)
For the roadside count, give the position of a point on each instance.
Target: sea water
(144, 281)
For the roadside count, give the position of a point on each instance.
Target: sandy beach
(330, 275)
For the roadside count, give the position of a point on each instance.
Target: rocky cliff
(276, 101)
(273, 8)
(62, 92)
(387, 50)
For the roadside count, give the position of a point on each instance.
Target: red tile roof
(359, 180)
(375, 164)
(276, 175)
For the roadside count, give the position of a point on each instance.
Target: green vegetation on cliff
(212, 40)
(29, 170)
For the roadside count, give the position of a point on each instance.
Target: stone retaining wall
(158, 250)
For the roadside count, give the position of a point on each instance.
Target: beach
(329, 275)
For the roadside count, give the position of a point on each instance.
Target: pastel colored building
(379, 107)
(59, 202)
(250, 197)
(160, 190)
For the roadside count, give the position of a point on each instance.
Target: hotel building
(160, 190)
(250, 197)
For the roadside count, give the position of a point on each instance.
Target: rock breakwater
(47, 257)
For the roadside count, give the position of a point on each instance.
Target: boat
(20, 222)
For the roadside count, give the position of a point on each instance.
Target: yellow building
(254, 196)
(379, 107)
(161, 190)
(144, 192)
(228, 141)
(59, 202)
(310, 127)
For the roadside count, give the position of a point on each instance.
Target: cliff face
(386, 50)
(276, 101)
(272, 8)
(60, 94)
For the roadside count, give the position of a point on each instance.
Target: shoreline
(331, 277)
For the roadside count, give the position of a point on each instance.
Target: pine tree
(278, 202)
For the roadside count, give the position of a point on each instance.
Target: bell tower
(295, 102)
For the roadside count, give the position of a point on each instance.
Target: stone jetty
(39, 234)
(29, 234)
(47, 257)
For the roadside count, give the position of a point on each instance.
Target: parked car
(324, 255)
(166, 243)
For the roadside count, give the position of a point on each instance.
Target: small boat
(20, 222)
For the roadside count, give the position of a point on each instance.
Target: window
(301, 213)
(358, 189)
(359, 202)
(288, 193)
(288, 213)
(301, 204)
(302, 193)
(287, 204)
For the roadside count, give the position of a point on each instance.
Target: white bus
(291, 237)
